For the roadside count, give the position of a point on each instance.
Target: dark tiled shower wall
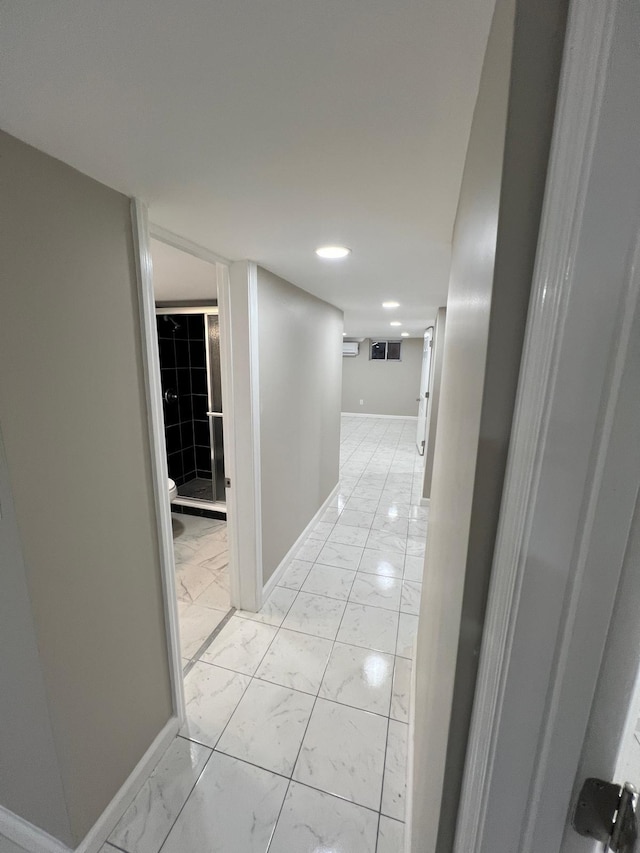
(183, 369)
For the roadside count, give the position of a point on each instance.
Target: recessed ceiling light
(333, 253)
(404, 334)
(390, 304)
(395, 323)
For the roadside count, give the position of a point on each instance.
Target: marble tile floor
(297, 716)
(202, 580)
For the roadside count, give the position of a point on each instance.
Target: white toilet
(173, 490)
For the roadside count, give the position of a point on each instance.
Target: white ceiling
(180, 277)
(263, 130)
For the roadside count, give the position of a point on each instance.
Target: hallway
(298, 715)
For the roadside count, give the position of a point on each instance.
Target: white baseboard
(392, 417)
(424, 501)
(284, 565)
(408, 809)
(35, 840)
(28, 836)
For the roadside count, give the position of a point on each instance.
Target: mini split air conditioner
(350, 348)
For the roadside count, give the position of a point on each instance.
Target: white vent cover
(350, 348)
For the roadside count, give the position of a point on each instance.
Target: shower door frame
(206, 310)
(237, 312)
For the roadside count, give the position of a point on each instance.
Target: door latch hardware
(606, 812)
(227, 482)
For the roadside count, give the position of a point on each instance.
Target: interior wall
(72, 407)
(300, 375)
(434, 398)
(386, 387)
(26, 738)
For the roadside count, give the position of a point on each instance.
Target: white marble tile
(329, 581)
(407, 630)
(341, 556)
(401, 693)
(216, 594)
(369, 627)
(295, 660)
(380, 540)
(343, 753)
(368, 492)
(321, 530)
(386, 563)
(315, 822)
(192, 580)
(376, 590)
(362, 504)
(410, 600)
(234, 807)
(240, 645)
(420, 512)
(359, 677)
(315, 614)
(146, 823)
(274, 609)
(390, 836)
(196, 623)
(339, 501)
(394, 509)
(395, 771)
(310, 550)
(211, 696)
(356, 518)
(331, 515)
(267, 726)
(399, 526)
(417, 527)
(296, 574)
(219, 563)
(211, 550)
(345, 535)
(416, 546)
(413, 568)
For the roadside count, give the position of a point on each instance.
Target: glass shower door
(214, 413)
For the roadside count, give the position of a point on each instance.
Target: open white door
(556, 699)
(423, 396)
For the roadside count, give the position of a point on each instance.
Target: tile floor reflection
(297, 716)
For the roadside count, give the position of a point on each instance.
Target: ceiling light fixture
(395, 323)
(404, 334)
(333, 253)
(390, 304)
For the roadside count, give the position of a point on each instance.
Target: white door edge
(577, 121)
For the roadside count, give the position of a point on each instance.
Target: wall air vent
(350, 348)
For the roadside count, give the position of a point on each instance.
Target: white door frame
(570, 569)
(246, 591)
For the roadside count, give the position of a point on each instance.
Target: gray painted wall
(300, 357)
(387, 387)
(76, 438)
(26, 737)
